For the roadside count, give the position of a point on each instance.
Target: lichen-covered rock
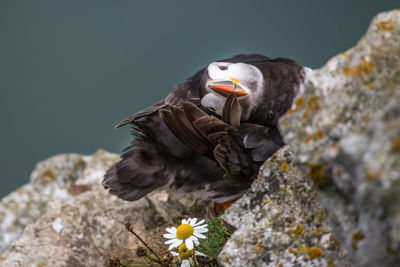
(345, 132)
(280, 221)
(48, 187)
(342, 169)
(68, 219)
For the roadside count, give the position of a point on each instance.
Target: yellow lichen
(42, 264)
(333, 242)
(312, 103)
(320, 216)
(308, 138)
(299, 102)
(298, 105)
(318, 134)
(356, 238)
(284, 122)
(316, 172)
(370, 85)
(305, 114)
(297, 231)
(293, 251)
(227, 259)
(48, 176)
(257, 249)
(280, 264)
(396, 143)
(313, 252)
(330, 263)
(316, 232)
(345, 54)
(364, 68)
(369, 176)
(284, 167)
(386, 26)
(334, 148)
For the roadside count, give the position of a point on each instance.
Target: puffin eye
(223, 67)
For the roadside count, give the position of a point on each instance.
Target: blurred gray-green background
(70, 70)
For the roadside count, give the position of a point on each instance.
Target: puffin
(211, 134)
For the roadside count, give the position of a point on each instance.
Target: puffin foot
(221, 207)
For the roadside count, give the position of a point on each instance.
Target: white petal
(194, 239)
(191, 262)
(189, 243)
(200, 235)
(200, 222)
(200, 226)
(184, 221)
(175, 244)
(175, 254)
(171, 241)
(196, 242)
(200, 254)
(193, 221)
(169, 236)
(203, 230)
(185, 263)
(171, 230)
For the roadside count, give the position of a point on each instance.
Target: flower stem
(129, 227)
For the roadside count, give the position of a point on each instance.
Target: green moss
(216, 238)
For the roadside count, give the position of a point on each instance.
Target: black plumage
(184, 142)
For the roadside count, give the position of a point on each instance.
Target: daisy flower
(188, 232)
(186, 256)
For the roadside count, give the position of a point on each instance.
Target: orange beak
(228, 88)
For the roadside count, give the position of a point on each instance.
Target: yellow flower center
(184, 231)
(184, 253)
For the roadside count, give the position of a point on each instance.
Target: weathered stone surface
(48, 187)
(70, 220)
(345, 132)
(280, 221)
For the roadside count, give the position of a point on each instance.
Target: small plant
(196, 244)
(215, 238)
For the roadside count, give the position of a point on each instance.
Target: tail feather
(125, 191)
(144, 167)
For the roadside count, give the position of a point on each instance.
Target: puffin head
(225, 78)
(265, 87)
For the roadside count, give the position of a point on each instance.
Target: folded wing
(217, 139)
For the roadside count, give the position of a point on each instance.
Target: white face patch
(250, 79)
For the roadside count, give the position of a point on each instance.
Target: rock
(48, 188)
(345, 134)
(280, 221)
(331, 198)
(68, 219)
